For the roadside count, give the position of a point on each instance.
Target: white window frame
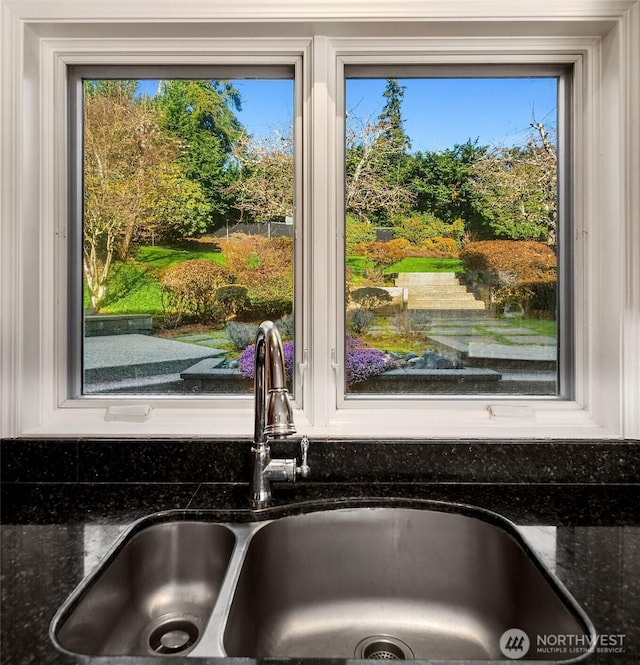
(601, 39)
(406, 60)
(270, 65)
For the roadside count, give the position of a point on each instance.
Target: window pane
(451, 236)
(187, 239)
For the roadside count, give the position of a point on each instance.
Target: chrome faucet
(273, 418)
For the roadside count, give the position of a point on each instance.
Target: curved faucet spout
(273, 413)
(273, 417)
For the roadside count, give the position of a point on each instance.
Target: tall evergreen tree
(391, 117)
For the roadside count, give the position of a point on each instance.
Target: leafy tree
(123, 147)
(176, 207)
(358, 230)
(263, 189)
(201, 115)
(441, 182)
(515, 190)
(420, 227)
(123, 89)
(133, 185)
(375, 187)
(376, 157)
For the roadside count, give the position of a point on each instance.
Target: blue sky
(438, 113)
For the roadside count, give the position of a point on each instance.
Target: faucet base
(267, 470)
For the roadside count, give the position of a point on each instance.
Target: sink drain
(383, 647)
(173, 636)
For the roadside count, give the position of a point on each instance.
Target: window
(185, 226)
(597, 374)
(452, 230)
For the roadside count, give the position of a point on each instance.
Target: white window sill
(553, 421)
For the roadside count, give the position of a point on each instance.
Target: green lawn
(541, 326)
(425, 264)
(410, 264)
(160, 258)
(133, 290)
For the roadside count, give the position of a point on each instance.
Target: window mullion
(323, 268)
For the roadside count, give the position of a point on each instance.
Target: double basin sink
(437, 581)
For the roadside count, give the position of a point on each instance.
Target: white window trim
(602, 39)
(408, 53)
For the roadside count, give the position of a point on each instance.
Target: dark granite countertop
(64, 503)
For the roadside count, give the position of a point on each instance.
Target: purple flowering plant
(246, 361)
(362, 360)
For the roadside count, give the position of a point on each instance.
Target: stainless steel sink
(393, 583)
(390, 584)
(153, 595)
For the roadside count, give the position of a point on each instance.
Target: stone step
(456, 314)
(440, 294)
(437, 294)
(437, 291)
(445, 304)
(426, 278)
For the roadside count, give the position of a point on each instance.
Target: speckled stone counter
(65, 502)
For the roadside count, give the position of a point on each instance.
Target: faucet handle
(304, 469)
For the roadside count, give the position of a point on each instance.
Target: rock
(429, 360)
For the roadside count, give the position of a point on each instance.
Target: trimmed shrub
(265, 267)
(370, 297)
(527, 259)
(189, 288)
(542, 297)
(231, 300)
(267, 308)
(379, 255)
(439, 247)
(520, 271)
